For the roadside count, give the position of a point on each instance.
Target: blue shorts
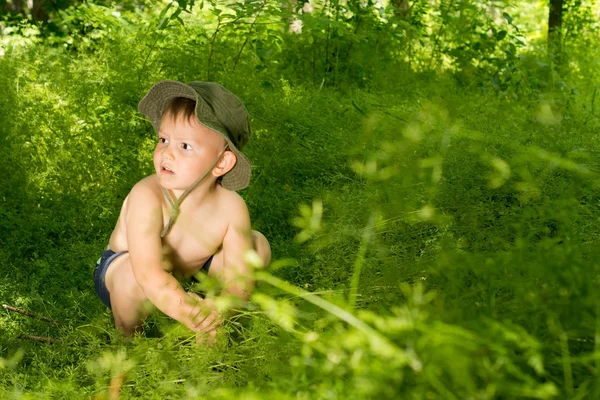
(102, 266)
(100, 275)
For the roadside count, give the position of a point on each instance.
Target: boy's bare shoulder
(233, 200)
(142, 205)
(146, 193)
(233, 205)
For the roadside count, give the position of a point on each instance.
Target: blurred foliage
(427, 177)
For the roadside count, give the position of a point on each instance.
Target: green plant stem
(212, 49)
(143, 67)
(597, 350)
(360, 260)
(566, 360)
(555, 326)
(380, 343)
(237, 59)
(594, 98)
(327, 5)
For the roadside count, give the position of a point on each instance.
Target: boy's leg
(261, 246)
(127, 298)
(129, 303)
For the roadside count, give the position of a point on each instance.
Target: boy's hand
(207, 318)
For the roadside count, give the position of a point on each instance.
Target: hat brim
(154, 104)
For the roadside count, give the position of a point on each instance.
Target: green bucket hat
(217, 109)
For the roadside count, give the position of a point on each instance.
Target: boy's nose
(167, 152)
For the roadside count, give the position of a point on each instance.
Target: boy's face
(185, 150)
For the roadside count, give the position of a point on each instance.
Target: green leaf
(507, 17)
(176, 13)
(162, 24)
(164, 11)
(501, 35)
(162, 20)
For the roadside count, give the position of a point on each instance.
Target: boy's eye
(162, 140)
(186, 146)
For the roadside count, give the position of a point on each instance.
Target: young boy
(186, 217)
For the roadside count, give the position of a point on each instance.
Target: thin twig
(212, 49)
(327, 5)
(249, 33)
(594, 98)
(30, 314)
(148, 56)
(175, 381)
(41, 338)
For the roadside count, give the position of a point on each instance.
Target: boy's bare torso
(196, 235)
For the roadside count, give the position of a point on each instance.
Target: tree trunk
(401, 9)
(28, 8)
(555, 18)
(38, 12)
(15, 7)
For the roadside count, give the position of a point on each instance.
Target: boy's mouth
(166, 170)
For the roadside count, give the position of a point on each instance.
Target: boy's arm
(237, 274)
(236, 277)
(144, 222)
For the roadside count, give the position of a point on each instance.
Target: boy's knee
(262, 247)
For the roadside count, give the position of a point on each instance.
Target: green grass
(472, 218)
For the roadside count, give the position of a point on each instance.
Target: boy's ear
(227, 162)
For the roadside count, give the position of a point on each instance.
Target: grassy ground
(451, 235)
